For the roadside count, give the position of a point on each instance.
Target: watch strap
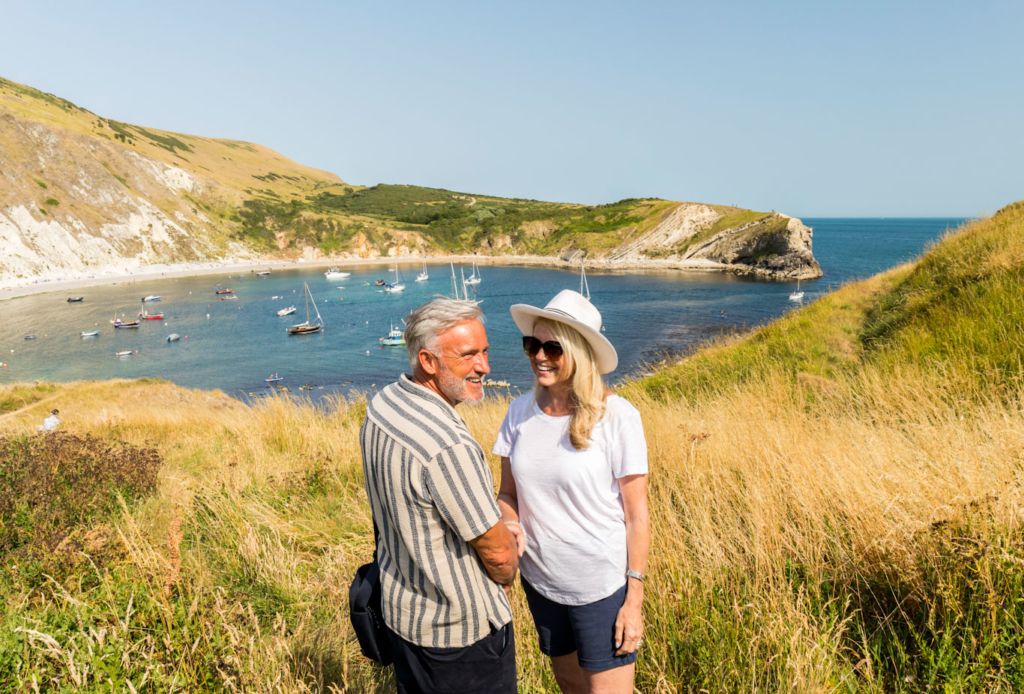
(637, 575)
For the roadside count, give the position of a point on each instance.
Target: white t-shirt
(570, 505)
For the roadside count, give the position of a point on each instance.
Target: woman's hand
(517, 532)
(629, 623)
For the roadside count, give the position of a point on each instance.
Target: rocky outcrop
(773, 244)
(776, 246)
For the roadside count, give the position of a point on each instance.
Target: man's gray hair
(426, 323)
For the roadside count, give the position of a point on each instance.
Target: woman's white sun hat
(573, 309)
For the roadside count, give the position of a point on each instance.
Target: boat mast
(584, 287)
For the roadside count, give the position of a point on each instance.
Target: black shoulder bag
(364, 605)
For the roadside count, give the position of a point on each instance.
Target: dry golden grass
(744, 488)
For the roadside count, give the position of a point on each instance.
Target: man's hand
(497, 550)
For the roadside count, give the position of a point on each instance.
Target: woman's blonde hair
(587, 386)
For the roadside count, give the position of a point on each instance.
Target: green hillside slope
(957, 314)
(70, 172)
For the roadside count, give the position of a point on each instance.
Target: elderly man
(444, 554)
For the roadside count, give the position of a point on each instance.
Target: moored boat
(90, 333)
(395, 338)
(173, 337)
(74, 299)
(131, 324)
(307, 327)
(286, 311)
(225, 291)
(336, 274)
(125, 353)
(153, 297)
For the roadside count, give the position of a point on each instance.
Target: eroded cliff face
(773, 245)
(71, 202)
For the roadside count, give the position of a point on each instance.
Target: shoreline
(19, 287)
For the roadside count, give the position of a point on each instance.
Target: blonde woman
(574, 492)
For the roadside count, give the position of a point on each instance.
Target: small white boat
(91, 333)
(474, 278)
(274, 378)
(395, 337)
(173, 337)
(336, 274)
(153, 297)
(286, 311)
(398, 285)
(274, 297)
(265, 273)
(797, 295)
(126, 353)
(423, 276)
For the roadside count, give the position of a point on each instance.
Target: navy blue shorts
(589, 630)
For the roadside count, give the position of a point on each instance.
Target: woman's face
(547, 370)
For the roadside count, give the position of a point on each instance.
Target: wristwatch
(637, 575)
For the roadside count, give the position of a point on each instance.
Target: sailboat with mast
(398, 285)
(797, 295)
(423, 276)
(307, 327)
(464, 294)
(474, 277)
(584, 287)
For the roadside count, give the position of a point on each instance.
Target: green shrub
(56, 487)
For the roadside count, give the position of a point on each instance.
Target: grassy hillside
(836, 501)
(242, 169)
(86, 171)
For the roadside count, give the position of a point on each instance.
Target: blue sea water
(233, 345)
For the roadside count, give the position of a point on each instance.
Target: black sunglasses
(532, 346)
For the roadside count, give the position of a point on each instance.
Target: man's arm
(497, 550)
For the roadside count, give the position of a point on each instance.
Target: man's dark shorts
(489, 665)
(589, 630)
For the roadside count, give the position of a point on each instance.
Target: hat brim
(526, 317)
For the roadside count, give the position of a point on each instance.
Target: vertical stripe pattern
(431, 492)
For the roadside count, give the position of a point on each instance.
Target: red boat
(225, 291)
(158, 316)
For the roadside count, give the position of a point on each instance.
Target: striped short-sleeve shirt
(431, 492)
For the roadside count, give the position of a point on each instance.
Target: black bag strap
(372, 576)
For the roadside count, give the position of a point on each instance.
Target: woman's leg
(571, 678)
(618, 680)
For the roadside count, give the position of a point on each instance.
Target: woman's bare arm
(629, 623)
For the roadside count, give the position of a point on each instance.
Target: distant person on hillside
(574, 491)
(51, 422)
(446, 558)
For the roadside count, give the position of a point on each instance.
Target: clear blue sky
(812, 108)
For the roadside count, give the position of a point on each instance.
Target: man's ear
(428, 362)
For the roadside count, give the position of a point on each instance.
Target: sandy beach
(11, 288)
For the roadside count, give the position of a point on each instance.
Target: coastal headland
(84, 195)
(835, 499)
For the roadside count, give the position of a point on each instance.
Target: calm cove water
(234, 345)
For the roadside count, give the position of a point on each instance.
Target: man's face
(462, 362)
